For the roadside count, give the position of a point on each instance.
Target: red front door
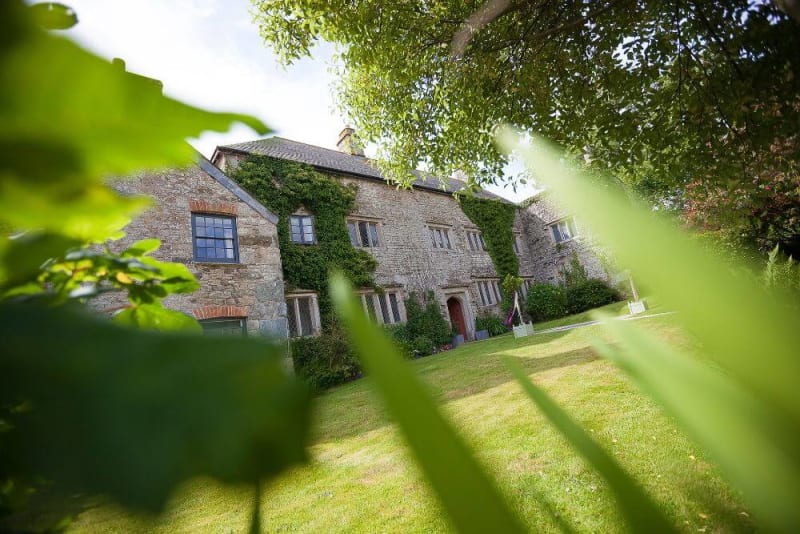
(457, 316)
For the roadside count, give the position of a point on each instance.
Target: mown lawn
(361, 479)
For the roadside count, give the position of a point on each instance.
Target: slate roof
(340, 162)
(234, 188)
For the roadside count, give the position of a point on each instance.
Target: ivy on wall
(286, 186)
(496, 221)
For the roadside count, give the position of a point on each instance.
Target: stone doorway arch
(455, 310)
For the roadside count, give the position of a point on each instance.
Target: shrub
(422, 345)
(590, 294)
(427, 322)
(546, 302)
(326, 360)
(492, 323)
(399, 333)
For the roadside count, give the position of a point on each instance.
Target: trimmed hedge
(545, 302)
(592, 293)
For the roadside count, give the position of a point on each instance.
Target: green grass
(361, 479)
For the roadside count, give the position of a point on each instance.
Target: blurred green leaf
(54, 16)
(467, 494)
(753, 447)
(156, 317)
(131, 414)
(740, 399)
(175, 277)
(142, 248)
(68, 119)
(22, 257)
(640, 512)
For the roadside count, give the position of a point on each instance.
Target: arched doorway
(457, 316)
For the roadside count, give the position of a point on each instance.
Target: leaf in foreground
(466, 492)
(132, 414)
(739, 399)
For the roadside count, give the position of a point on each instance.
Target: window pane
(304, 304)
(228, 327)
(373, 234)
(214, 238)
(363, 232)
(556, 233)
(395, 309)
(439, 238)
(371, 307)
(351, 228)
(563, 227)
(496, 288)
(294, 222)
(291, 318)
(572, 230)
(384, 309)
(483, 297)
(433, 237)
(446, 235)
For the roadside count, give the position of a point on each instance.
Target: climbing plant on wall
(286, 186)
(496, 221)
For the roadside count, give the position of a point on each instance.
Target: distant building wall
(250, 289)
(548, 257)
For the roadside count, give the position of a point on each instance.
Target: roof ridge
(335, 151)
(447, 184)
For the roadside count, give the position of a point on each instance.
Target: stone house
(421, 238)
(554, 236)
(226, 238)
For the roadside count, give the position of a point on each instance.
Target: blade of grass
(465, 491)
(752, 447)
(640, 512)
(742, 328)
(751, 335)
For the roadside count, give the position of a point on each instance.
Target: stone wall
(549, 258)
(406, 255)
(252, 288)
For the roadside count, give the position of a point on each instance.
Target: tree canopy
(661, 94)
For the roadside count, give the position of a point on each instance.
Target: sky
(208, 53)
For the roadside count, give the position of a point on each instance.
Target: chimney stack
(349, 142)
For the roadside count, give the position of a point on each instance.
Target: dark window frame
(302, 233)
(222, 323)
(195, 237)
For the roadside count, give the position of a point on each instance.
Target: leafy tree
(654, 92)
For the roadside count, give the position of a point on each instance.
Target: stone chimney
(349, 142)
